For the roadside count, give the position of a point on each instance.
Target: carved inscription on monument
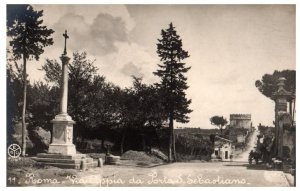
(59, 134)
(69, 134)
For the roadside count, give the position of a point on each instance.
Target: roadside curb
(286, 180)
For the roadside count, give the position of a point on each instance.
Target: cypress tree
(173, 83)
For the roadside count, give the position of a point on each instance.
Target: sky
(230, 47)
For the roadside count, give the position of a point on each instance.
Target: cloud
(53, 13)
(129, 59)
(97, 38)
(130, 69)
(91, 28)
(101, 31)
(104, 32)
(77, 30)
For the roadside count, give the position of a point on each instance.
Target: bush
(21, 163)
(140, 156)
(97, 155)
(266, 130)
(193, 147)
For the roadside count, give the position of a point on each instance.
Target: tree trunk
(102, 144)
(157, 140)
(170, 147)
(290, 107)
(192, 151)
(293, 115)
(143, 142)
(75, 133)
(170, 137)
(123, 141)
(174, 147)
(51, 135)
(24, 108)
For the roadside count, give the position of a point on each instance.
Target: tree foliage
(99, 106)
(268, 86)
(141, 108)
(28, 39)
(81, 89)
(173, 84)
(145, 104)
(43, 105)
(29, 36)
(13, 96)
(219, 121)
(172, 74)
(193, 146)
(14, 76)
(268, 83)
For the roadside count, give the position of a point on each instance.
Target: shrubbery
(21, 162)
(192, 147)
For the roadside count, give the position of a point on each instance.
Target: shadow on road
(252, 166)
(147, 165)
(237, 165)
(260, 167)
(141, 164)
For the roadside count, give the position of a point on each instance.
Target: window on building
(216, 153)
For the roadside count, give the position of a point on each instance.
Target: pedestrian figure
(251, 155)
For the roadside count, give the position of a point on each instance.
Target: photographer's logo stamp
(14, 151)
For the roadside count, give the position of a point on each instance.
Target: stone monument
(62, 151)
(62, 134)
(284, 127)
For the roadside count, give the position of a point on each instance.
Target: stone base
(63, 117)
(62, 151)
(65, 161)
(62, 135)
(111, 159)
(67, 149)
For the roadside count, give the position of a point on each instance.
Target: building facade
(223, 149)
(240, 121)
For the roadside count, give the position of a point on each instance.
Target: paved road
(182, 174)
(224, 174)
(243, 157)
(236, 173)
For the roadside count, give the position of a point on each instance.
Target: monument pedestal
(62, 135)
(62, 151)
(62, 148)
(66, 161)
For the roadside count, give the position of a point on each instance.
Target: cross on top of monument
(66, 36)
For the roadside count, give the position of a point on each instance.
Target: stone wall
(288, 144)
